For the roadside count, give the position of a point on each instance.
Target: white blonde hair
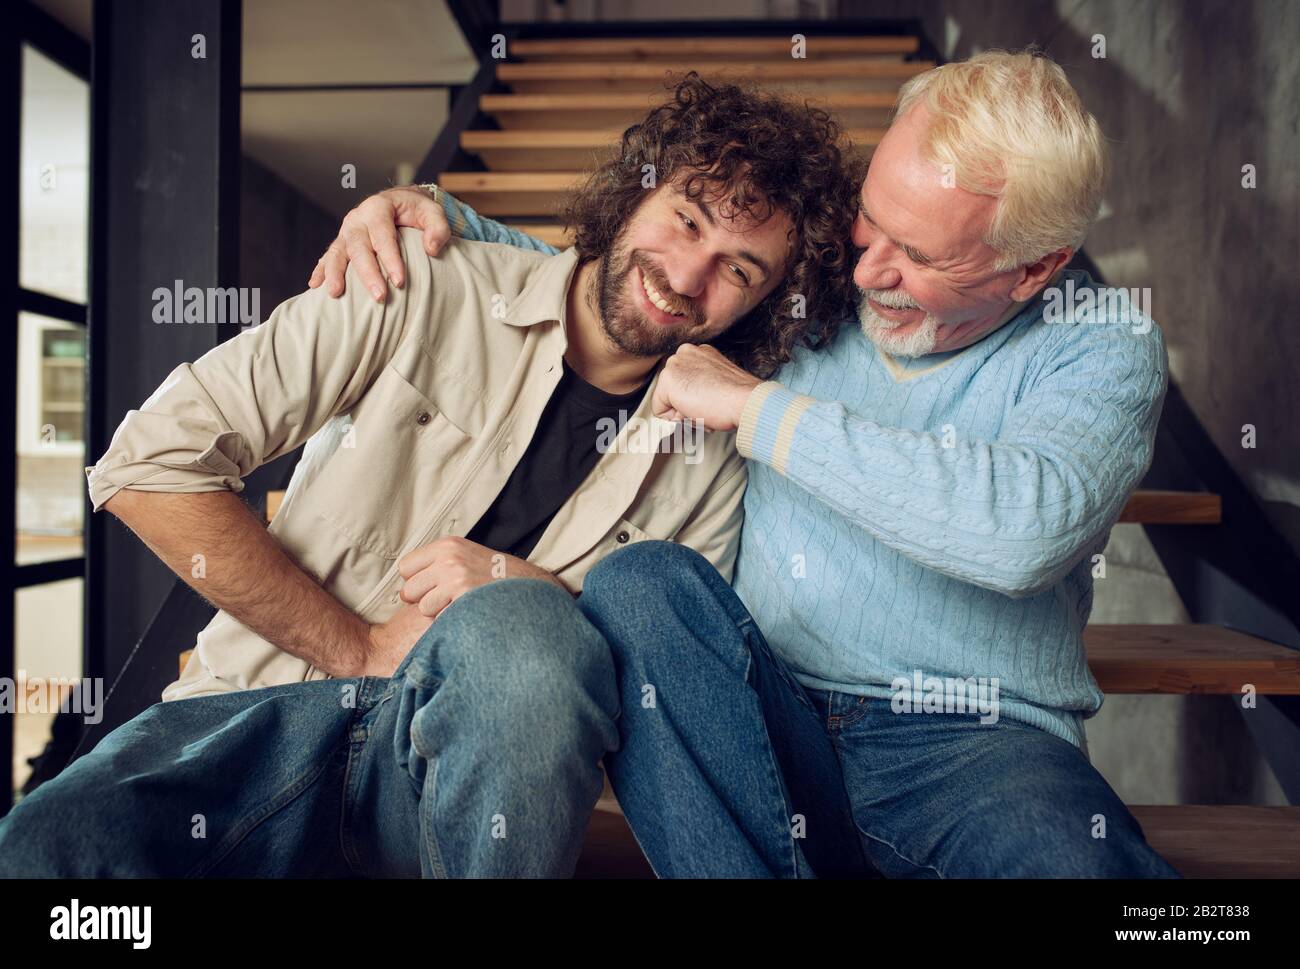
(1011, 126)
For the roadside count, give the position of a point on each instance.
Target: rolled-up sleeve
(260, 394)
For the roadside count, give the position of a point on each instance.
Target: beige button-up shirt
(414, 413)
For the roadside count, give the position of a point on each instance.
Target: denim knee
(645, 568)
(523, 654)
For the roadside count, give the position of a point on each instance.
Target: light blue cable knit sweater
(941, 514)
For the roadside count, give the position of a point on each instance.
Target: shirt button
(622, 538)
(395, 597)
(506, 447)
(423, 418)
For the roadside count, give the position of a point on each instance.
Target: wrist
(740, 401)
(527, 570)
(363, 646)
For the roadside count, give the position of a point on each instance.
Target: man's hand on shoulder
(370, 231)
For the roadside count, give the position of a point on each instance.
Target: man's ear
(1038, 274)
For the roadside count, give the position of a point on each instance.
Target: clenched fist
(441, 572)
(699, 383)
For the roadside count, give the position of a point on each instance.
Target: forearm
(1002, 515)
(215, 544)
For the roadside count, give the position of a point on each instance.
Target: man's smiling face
(929, 282)
(681, 271)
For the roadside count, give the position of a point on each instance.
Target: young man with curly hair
(399, 681)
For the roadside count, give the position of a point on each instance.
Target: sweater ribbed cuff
(768, 422)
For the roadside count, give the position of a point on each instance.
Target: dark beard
(621, 320)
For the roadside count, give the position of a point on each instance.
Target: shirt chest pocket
(393, 466)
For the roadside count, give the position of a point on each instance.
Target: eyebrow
(744, 254)
(911, 251)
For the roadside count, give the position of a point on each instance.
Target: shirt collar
(544, 297)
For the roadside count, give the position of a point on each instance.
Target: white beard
(880, 331)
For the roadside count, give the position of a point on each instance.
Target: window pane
(47, 661)
(51, 454)
(55, 179)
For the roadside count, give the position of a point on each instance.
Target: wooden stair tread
(550, 233)
(579, 77)
(588, 109)
(1224, 840)
(681, 47)
(591, 138)
(512, 193)
(508, 181)
(490, 103)
(1187, 658)
(564, 149)
(1200, 841)
(757, 71)
(1173, 508)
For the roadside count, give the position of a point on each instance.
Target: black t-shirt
(559, 458)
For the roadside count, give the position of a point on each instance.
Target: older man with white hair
(927, 495)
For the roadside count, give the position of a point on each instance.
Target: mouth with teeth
(660, 309)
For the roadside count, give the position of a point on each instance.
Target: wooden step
(553, 234)
(542, 150)
(1148, 507)
(1188, 658)
(862, 109)
(726, 48)
(511, 193)
(549, 150)
(582, 77)
(1213, 841)
(1173, 508)
(1224, 840)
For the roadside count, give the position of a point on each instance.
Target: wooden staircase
(570, 100)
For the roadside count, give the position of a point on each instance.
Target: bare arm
(244, 571)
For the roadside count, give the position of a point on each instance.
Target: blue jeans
(479, 757)
(729, 767)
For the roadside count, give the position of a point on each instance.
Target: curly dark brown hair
(755, 154)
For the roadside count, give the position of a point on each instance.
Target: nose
(875, 270)
(688, 271)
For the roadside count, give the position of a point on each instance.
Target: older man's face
(927, 278)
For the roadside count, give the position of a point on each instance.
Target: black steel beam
(478, 20)
(55, 570)
(165, 165)
(11, 80)
(446, 154)
(54, 40)
(31, 301)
